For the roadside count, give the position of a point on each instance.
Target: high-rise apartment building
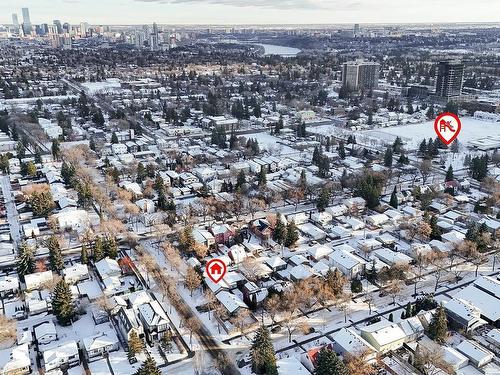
(360, 74)
(26, 21)
(15, 22)
(449, 79)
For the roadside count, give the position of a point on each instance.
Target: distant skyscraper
(360, 74)
(356, 29)
(26, 21)
(154, 38)
(449, 79)
(84, 28)
(58, 26)
(15, 22)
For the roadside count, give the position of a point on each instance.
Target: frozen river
(271, 49)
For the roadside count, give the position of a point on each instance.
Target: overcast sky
(253, 11)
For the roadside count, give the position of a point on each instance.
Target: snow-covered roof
(384, 332)
(100, 340)
(350, 342)
(153, 314)
(107, 266)
(59, 353)
(46, 328)
(474, 352)
(15, 358)
(230, 301)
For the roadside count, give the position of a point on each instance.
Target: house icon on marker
(216, 269)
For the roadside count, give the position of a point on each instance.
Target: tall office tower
(84, 28)
(356, 29)
(58, 26)
(26, 21)
(449, 79)
(139, 39)
(154, 38)
(15, 22)
(360, 74)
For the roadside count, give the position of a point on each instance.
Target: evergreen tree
(158, 185)
(341, 150)
(430, 112)
(279, 232)
(84, 256)
(388, 157)
(356, 286)
(262, 353)
(62, 303)
(141, 173)
(438, 327)
(262, 176)
(148, 367)
(391, 317)
(114, 138)
(135, 344)
(397, 146)
(292, 234)
(449, 174)
(394, 198)
(166, 342)
(110, 247)
(67, 172)
(25, 260)
(98, 249)
(435, 230)
(56, 149)
(240, 180)
(403, 159)
(323, 199)
(328, 363)
(422, 148)
(55, 255)
(323, 167)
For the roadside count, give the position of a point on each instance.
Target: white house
(349, 264)
(477, 355)
(103, 342)
(16, 360)
(384, 336)
(73, 219)
(108, 267)
(38, 279)
(76, 273)
(45, 332)
(65, 353)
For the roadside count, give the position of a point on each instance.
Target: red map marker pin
(447, 126)
(216, 269)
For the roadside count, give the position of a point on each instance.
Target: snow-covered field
(472, 129)
(270, 143)
(412, 135)
(111, 84)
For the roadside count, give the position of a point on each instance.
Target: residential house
(101, 343)
(463, 315)
(349, 264)
(16, 360)
(347, 341)
(477, 355)
(203, 237)
(384, 336)
(38, 279)
(154, 320)
(75, 273)
(223, 233)
(61, 356)
(45, 332)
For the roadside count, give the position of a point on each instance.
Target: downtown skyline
(257, 12)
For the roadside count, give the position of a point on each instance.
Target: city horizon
(307, 12)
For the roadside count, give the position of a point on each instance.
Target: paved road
(10, 205)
